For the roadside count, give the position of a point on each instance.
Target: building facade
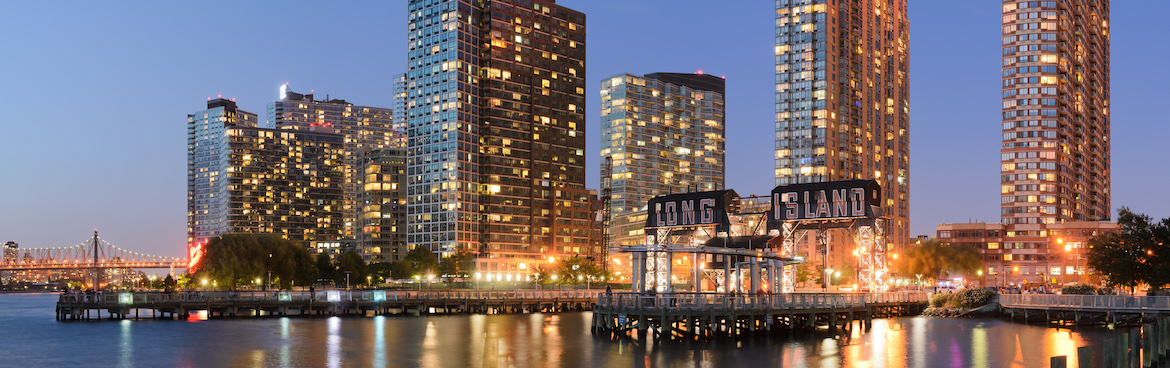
(1055, 155)
(382, 196)
(842, 99)
(662, 133)
(1054, 161)
(245, 179)
(496, 131)
(364, 128)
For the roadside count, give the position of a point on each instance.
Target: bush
(1081, 289)
(972, 297)
(939, 300)
(1106, 291)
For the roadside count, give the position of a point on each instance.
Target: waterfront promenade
(181, 304)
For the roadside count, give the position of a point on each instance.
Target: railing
(323, 296)
(1115, 302)
(704, 301)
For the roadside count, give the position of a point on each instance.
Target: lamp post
(828, 280)
(347, 279)
(418, 282)
(919, 281)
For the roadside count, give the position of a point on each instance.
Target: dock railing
(724, 301)
(147, 297)
(1111, 302)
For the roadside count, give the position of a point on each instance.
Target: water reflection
(523, 340)
(333, 343)
(126, 358)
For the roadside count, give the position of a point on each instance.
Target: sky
(94, 97)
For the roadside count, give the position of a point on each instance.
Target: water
(30, 337)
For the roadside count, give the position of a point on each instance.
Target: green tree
(422, 261)
(242, 259)
(381, 271)
(575, 270)
(325, 268)
(935, 259)
(351, 263)
(1138, 253)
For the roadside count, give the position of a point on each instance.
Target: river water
(30, 337)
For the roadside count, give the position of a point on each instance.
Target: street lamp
(418, 282)
(828, 281)
(347, 279)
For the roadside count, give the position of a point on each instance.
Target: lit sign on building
(195, 253)
(690, 209)
(828, 200)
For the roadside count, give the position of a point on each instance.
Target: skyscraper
(496, 131)
(364, 128)
(1055, 154)
(381, 198)
(661, 134)
(245, 179)
(1054, 161)
(842, 98)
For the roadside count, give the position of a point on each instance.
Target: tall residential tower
(843, 98)
(1055, 154)
(661, 134)
(495, 99)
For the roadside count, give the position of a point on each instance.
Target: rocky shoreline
(989, 310)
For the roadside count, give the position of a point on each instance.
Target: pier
(1117, 310)
(702, 315)
(182, 304)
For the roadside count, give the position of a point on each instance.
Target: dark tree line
(241, 259)
(1139, 253)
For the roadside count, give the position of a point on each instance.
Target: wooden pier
(181, 305)
(702, 315)
(1116, 310)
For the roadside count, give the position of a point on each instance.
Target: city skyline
(123, 172)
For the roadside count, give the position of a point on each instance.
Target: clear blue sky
(94, 97)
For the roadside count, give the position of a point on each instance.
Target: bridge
(184, 304)
(1118, 310)
(95, 253)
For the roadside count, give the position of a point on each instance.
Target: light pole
(919, 281)
(418, 282)
(347, 279)
(828, 280)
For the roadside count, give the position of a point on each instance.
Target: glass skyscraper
(662, 133)
(842, 98)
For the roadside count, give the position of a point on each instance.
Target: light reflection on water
(531, 340)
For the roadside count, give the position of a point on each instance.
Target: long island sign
(813, 201)
(828, 200)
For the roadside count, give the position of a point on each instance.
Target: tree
(933, 259)
(325, 268)
(351, 263)
(576, 269)
(422, 261)
(1136, 254)
(242, 259)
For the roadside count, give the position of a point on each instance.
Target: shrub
(1081, 289)
(939, 300)
(1106, 291)
(972, 297)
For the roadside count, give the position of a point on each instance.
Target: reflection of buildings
(1055, 168)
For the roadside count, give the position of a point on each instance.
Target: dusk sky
(95, 97)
